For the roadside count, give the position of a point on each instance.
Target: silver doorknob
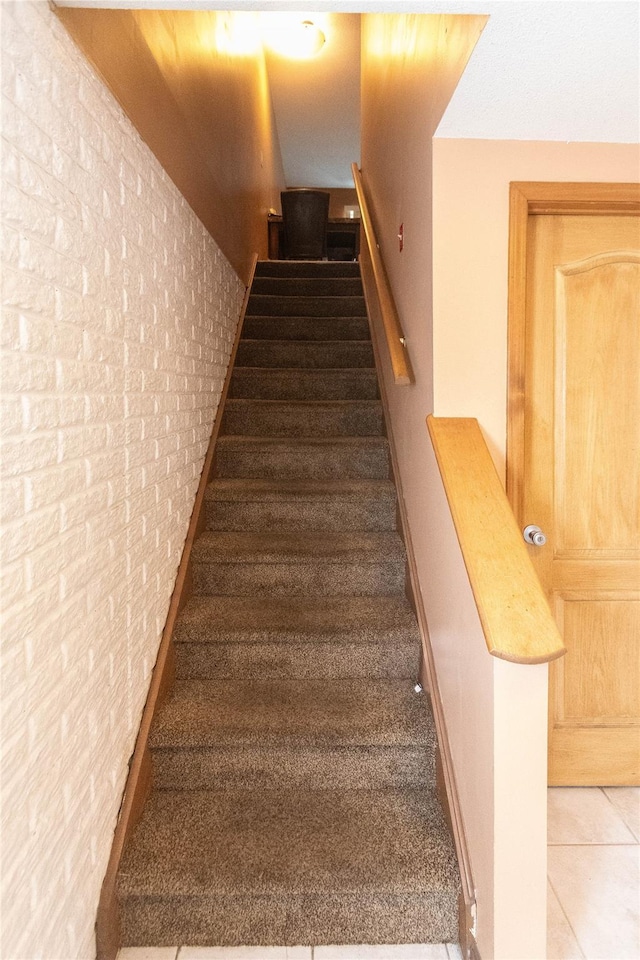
(534, 535)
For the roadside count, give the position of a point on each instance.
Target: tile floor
(594, 891)
(594, 873)
(414, 951)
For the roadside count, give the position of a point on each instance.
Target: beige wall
(470, 255)
(470, 274)
(406, 86)
(495, 711)
(194, 84)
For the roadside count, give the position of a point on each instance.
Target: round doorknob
(534, 535)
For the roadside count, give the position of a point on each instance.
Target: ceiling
(564, 70)
(551, 71)
(316, 104)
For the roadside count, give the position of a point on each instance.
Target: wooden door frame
(528, 198)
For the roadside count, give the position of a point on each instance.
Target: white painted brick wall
(119, 315)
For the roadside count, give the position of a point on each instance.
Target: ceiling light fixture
(312, 39)
(291, 37)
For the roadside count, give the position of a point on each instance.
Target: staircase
(293, 765)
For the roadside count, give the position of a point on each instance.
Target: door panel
(582, 483)
(591, 627)
(598, 362)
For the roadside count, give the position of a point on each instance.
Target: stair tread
(329, 321)
(296, 548)
(305, 328)
(295, 658)
(273, 403)
(293, 713)
(318, 372)
(348, 441)
(309, 343)
(240, 489)
(298, 619)
(265, 304)
(308, 286)
(300, 354)
(307, 268)
(289, 842)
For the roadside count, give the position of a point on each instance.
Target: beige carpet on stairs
(294, 764)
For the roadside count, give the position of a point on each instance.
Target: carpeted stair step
(381, 620)
(233, 504)
(306, 268)
(308, 286)
(295, 564)
(289, 867)
(302, 661)
(318, 734)
(293, 795)
(265, 305)
(290, 384)
(301, 418)
(305, 328)
(266, 768)
(335, 458)
(292, 713)
(239, 637)
(305, 353)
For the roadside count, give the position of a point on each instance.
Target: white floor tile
(454, 951)
(147, 953)
(599, 890)
(584, 815)
(401, 951)
(626, 800)
(561, 943)
(244, 953)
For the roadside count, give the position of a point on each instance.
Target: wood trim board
(516, 620)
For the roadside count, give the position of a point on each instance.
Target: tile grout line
(564, 913)
(599, 843)
(610, 801)
(595, 843)
(618, 817)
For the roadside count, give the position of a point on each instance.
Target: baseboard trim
(139, 779)
(446, 782)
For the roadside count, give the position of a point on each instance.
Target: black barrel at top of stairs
(293, 763)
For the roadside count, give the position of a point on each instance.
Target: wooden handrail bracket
(400, 363)
(514, 613)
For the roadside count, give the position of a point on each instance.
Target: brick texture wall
(118, 319)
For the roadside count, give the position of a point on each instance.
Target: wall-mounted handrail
(400, 363)
(513, 610)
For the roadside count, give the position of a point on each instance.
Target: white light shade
(289, 36)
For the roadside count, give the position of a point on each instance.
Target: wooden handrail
(514, 613)
(400, 363)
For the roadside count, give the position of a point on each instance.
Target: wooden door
(581, 482)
